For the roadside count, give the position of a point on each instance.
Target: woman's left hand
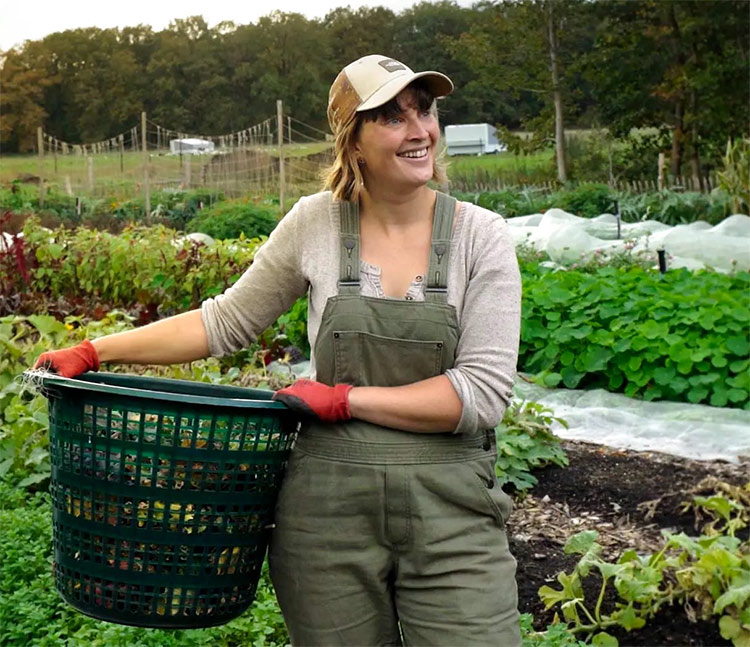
(328, 403)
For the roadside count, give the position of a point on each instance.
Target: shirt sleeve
(489, 325)
(267, 289)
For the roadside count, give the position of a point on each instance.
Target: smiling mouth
(415, 154)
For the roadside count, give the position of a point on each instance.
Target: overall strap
(436, 289)
(349, 248)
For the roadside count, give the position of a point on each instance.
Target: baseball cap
(373, 80)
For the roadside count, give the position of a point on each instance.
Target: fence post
(280, 129)
(660, 173)
(40, 149)
(186, 178)
(90, 173)
(146, 187)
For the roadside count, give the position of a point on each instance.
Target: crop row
(678, 336)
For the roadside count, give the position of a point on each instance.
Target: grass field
(121, 176)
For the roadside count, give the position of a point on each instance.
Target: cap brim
(439, 84)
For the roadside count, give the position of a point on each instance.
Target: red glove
(329, 403)
(70, 362)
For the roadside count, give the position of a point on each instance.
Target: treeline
(681, 66)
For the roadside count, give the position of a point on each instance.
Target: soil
(628, 497)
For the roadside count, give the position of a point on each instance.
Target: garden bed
(628, 497)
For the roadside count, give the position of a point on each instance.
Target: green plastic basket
(163, 495)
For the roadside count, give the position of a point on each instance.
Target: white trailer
(190, 146)
(472, 139)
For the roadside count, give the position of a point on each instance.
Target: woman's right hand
(70, 362)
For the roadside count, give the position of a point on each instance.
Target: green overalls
(386, 537)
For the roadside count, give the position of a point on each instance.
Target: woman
(390, 522)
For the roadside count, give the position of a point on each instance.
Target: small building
(190, 146)
(472, 139)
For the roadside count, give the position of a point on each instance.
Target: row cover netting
(569, 239)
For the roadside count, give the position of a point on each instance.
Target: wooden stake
(660, 172)
(186, 178)
(90, 169)
(280, 123)
(146, 187)
(40, 149)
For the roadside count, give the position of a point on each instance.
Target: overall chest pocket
(365, 359)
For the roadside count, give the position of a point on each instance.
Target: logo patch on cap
(389, 65)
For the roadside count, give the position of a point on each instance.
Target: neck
(396, 208)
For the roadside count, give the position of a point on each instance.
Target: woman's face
(399, 151)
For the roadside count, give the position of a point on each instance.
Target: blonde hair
(344, 176)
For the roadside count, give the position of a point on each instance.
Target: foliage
(673, 63)
(724, 511)
(590, 199)
(556, 635)
(733, 178)
(680, 336)
(171, 208)
(289, 334)
(23, 414)
(586, 200)
(167, 273)
(525, 442)
(710, 574)
(510, 202)
(233, 218)
(672, 207)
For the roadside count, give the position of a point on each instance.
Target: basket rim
(58, 381)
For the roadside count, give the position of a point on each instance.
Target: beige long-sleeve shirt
(302, 254)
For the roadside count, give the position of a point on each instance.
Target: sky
(22, 20)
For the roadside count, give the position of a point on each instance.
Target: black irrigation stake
(662, 260)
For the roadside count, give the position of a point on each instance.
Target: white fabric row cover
(696, 431)
(568, 239)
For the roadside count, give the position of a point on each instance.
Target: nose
(416, 128)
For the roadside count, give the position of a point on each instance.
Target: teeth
(414, 154)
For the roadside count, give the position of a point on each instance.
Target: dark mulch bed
(628, 497)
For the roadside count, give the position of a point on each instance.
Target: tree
(422, 35)
(680, 65)
(358, 32)
(23, 78)
(523, 50)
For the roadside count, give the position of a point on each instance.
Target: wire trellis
(239, 163)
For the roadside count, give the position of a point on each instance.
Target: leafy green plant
(586, 200)
(511, 203)
(167, 272)
(525, 442)
(590, 200)
(711, 573)
(679, 336)
(723, 511)
(556, 635)
(234, 218)
(23, 413)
